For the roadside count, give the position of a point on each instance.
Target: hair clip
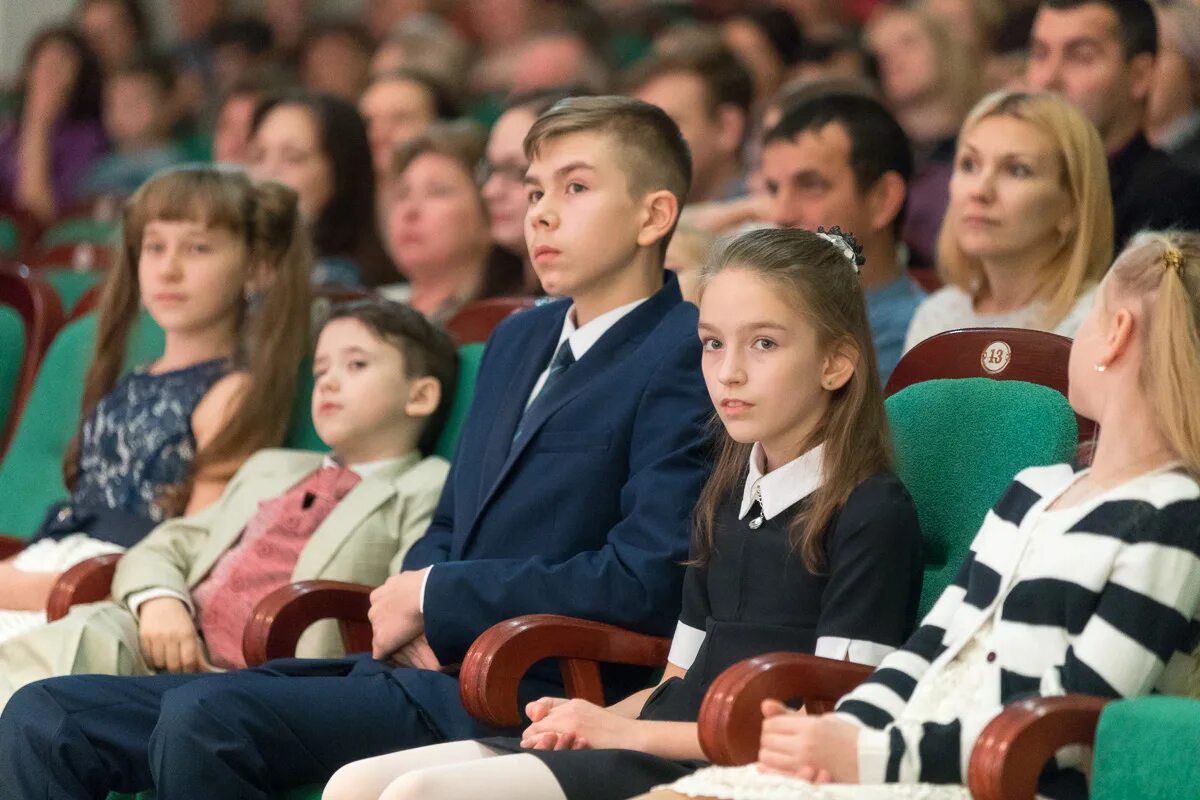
(844, 241)
(1173, 260)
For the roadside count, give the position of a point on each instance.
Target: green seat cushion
(68, 284)
(958, 444)
(469, 357)
(1147, 748)
(81, 229)
(32, 468)
(12, 355)
(10, 237)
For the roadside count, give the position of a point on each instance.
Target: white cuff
(685, 645)
(135, 599)
(874, 750)
(859, 651)
(424, 583)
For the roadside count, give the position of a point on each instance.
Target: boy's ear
(660, 210)
(424, 395)
(839, 366)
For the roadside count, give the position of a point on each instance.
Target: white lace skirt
(749, 783)
(49, 555)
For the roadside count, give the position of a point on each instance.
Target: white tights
(450, 771)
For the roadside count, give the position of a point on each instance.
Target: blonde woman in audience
(221, 264)
(1077, 582)
(1029, 230)
(437, 225)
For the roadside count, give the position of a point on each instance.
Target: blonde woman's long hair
(1086, 251)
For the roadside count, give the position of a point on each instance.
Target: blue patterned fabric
(139, 440)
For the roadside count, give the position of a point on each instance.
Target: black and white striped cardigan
(1108, 606)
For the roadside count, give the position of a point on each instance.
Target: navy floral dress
(135, 443)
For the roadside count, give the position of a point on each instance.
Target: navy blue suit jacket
(588, 512)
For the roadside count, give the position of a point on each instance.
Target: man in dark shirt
(1100, 55)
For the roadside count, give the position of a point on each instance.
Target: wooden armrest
(87, 582)
(500, 657)
(282, 617)
(731, 715)
(10, 545)
(1013, 749)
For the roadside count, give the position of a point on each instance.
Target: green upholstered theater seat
(1147, 748)
(68, 284)
(958, 444)
(12, 356)
(32, 467)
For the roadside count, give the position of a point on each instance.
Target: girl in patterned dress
(804, 538)
(1078, 582)
(221, 264)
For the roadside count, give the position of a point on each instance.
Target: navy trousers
(244, 734)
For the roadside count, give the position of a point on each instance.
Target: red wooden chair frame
(87, 582)
(10, 546)
(475, 321)
(42, 312)
(29, 228)
(1034, 356)
(493, 666)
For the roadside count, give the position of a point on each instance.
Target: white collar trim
(368, 468)
(782, 488)
(583, 338)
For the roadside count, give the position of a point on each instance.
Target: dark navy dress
(755, 596)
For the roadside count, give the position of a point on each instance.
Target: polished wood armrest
(87, 582)
(500, 657)
(11, 545)
(282, 617)
(731, 715)
(1012, 750)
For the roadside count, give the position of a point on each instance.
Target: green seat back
(1147, 748)
(12, 356)
(80, 229)
(32, 467)
(469, 357)
(10, 237)
(302, 435)
(69, 285)
(958, 444)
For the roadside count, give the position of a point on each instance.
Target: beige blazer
(363, 540)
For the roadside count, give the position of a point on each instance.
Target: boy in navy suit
(581, 459)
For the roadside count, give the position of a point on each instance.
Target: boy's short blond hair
(651, 151)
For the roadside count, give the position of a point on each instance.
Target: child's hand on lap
(417, 654)
(578, 725)
(169, 637)
(820, 749)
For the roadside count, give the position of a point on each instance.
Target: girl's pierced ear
(1099, 367)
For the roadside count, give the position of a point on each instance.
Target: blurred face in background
(436, 220)
(335, 63)
(231, 136)
(287, 148)
(503, 188)
(395, 111)
(907, 58)
(137, 112)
